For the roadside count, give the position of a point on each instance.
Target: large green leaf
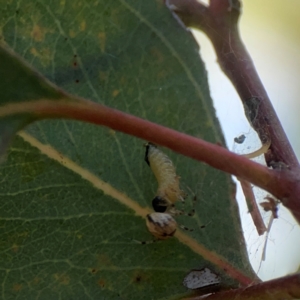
(72, 194)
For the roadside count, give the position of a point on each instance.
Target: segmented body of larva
(161, 223)
(168, 191)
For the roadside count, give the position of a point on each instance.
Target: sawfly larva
(161, 223)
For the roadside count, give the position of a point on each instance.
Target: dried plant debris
(270, 205)
(197, 279)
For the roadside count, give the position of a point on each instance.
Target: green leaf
(73, 194)
(19, 84)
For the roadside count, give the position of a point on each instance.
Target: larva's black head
(148, 145)
(159, 204)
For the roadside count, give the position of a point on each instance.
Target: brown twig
(282, 184)
(253, 207)
(287, 287)
(249, 194)
(219, 22)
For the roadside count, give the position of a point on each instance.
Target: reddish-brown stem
(214, 155)
(287, 287)
(253, 207)
(219, 22)
(238, 66)
(282, 184)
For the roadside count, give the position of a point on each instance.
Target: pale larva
(161, 223)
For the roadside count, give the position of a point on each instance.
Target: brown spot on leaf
(115, 93)
(72, 33)
(101, 282)
(17, 287)
(139, 277)
(43, 54)
(74, 61)
(94, 270)
(15, 248)
(38, 33)
(36, 280)
(112, 132)
(62, 278)
(82, 25)
(33, 51)
(104, 260)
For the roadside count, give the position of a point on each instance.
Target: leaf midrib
(109, 190)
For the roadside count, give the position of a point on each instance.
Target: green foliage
(65, 235)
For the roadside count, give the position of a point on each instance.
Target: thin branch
(219, 23)
(282, 184)
(253, 207)
(287, 287)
